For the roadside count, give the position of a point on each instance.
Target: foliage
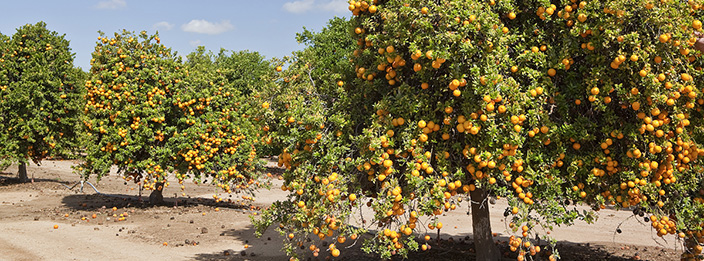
(246, 73)
(39, 97)
(308, 112)
(542, 103)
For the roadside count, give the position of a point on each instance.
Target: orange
(664, 38)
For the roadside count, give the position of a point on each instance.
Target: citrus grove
(407, 110)
(451, 103)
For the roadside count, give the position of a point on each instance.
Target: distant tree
(244, 75)
(246, 71)
(39, 97)
(153, 116)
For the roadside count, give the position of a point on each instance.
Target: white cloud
(337, 6)
(163, 25)
(205, 27)
(299, 7)
(194, 43)
(111, 4)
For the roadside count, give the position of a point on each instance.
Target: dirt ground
(196, 227)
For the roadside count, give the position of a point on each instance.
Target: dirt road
(196, 227)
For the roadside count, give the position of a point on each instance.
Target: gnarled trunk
(156, 197)
(22, 172)
(481, 224)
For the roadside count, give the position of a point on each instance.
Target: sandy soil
(195, 227)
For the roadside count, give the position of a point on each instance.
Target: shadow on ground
(447, 249)
(268, 247)
(98, 201)
(7, 179)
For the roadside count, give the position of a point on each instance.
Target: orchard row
(408, 110)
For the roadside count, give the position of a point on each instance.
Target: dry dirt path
(195, 227)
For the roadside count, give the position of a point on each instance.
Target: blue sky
(266, 26)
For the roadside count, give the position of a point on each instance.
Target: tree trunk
(156, 197)
(481, 224)
(22, 173)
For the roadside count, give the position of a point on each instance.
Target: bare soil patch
(120, 224)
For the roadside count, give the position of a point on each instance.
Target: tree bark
(22, 172)
(484, 244)
(156, 197)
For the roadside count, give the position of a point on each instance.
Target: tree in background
(152, 115)
(223, 125)
(246, 73)
(39, 97)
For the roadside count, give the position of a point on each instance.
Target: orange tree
(39, 98)
(249, 72)
(151, 115)
(219, 113)
(625, 105)
(543, 103)
(246, 70)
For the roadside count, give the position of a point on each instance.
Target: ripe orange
(390, 49)
(664, 38)
(56, 226)
(582, 17)
(551, 72)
